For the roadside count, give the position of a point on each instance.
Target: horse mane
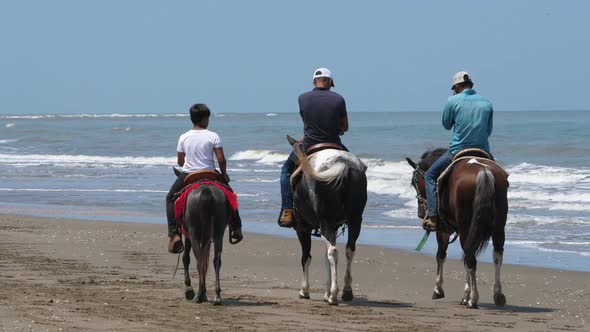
(429, 157)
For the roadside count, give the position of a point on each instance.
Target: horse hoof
(303, 296)
(217, 302)
(472, 305)
(332, 302)
(326, 297)
(189, 294)
(347, 295)
(463, 302)
(500, 299)
(437, 295)
(201, 299)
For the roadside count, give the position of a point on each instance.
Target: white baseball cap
(461, 77)
(323, 72)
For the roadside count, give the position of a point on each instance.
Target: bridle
(415, 180)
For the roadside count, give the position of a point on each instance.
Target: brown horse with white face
(475, 206)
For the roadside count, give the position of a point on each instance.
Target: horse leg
(471, 266)
(331, 263)
(218, 247)
(441, 255)
(189, 293)
(354, 230)
(498, 241)
(202, 254)
(305, 241)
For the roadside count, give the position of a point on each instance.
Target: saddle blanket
(180, 203)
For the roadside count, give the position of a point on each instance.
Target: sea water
(119, 167)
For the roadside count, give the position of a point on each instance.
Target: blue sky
(258, 56)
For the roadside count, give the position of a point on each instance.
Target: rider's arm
(180, 158)
(448, 119)
(222, 162)
(491, 122)
(343, 118)
(343, 124)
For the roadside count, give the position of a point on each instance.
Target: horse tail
(335, 174)
(483, 219)
(206, 214)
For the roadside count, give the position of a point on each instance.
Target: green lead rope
(423, 241)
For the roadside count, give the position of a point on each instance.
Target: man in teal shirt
(471, 117)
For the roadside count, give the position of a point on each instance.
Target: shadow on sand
(246, 302)
(515, 308)
(364, 302)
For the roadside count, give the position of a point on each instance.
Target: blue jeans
(430, 178)
(286, 193)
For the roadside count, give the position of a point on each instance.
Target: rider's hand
(225, 177)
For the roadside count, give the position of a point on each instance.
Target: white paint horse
(332, 192)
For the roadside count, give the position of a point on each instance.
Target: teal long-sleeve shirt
(471, 118)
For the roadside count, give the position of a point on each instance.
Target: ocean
(118, 167)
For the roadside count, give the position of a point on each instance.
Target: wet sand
(74, 275)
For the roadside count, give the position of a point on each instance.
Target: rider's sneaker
(429, 223)
(286, 219)
(175, 245)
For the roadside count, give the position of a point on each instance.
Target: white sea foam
(571, 196)
(5, 141)
(83, 160)
(401, 213)
(260, 156)
(84, 115)
(526, 220)
(389, 178)
(271, 114)
(9, 125)
(540, 245)
(84, 190)
(525, 173)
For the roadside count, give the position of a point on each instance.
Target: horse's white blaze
(439, 275)
(497, 265)
(305, 280)
(348, 275)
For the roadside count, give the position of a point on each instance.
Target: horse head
(428, 158)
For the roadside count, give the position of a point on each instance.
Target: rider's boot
(429, 223)
(175, 245)
(286, 218)
(235, 229)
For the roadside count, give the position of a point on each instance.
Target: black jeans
(176, 187)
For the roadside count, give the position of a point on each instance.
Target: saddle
(310, 151)
(202, 175)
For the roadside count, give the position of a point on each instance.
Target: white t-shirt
(198, 146)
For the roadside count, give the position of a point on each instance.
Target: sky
(140, 56)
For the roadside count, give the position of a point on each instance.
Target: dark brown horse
(475, 206)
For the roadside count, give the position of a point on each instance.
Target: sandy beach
(74, 275)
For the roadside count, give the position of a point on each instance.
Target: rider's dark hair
(199, 112)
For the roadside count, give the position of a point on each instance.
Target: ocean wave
(5, 141)
(260, 156)
(82, 160)
(542, 245)
(84, 115)
(389, 178)
(526, 173)
(85, 190)
(572, 196)
(9, 125)
(527, 220)
(272, 114)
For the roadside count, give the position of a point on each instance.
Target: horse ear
(291, 140)
(411, 162)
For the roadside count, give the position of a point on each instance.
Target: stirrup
(428, 224)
